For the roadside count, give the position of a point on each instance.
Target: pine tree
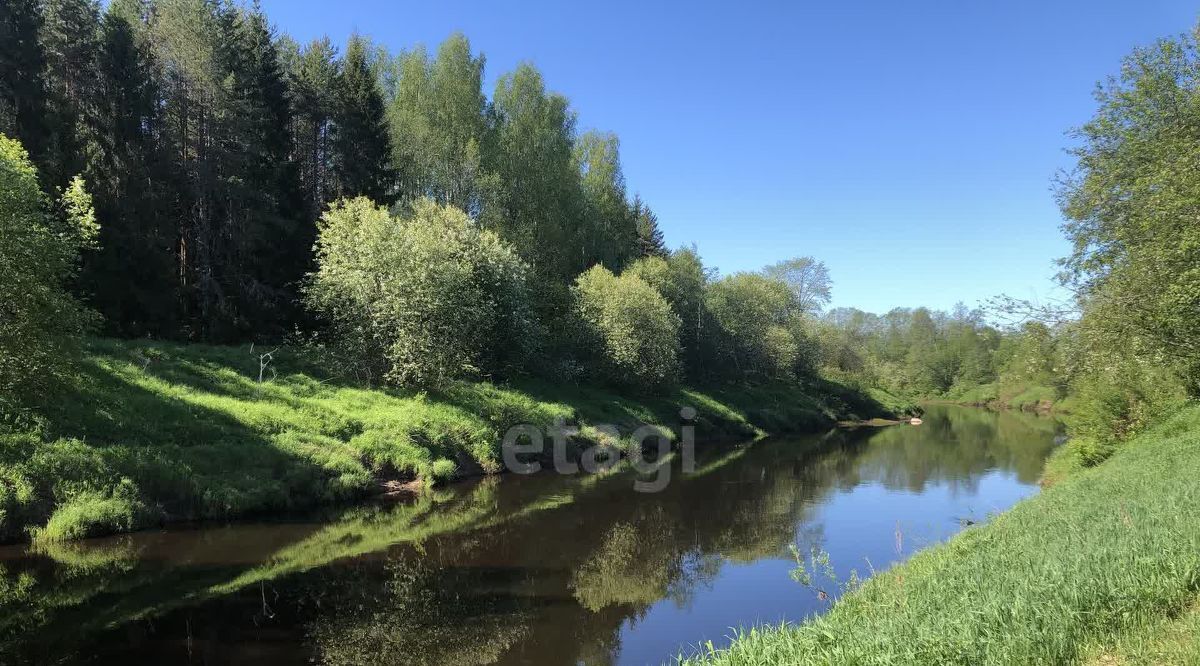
(362, 145)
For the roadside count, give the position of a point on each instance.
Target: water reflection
(534, 570)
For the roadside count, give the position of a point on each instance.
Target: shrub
(754, 316)
(627, 331)
(1114, 403)
(39, 320)
(421, 299)
(682, 279)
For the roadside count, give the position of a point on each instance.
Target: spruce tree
(70, 38)
(649, 237)
(260, 192)
(362, 145)
(22, 95)
(313, 79)
(130, 279)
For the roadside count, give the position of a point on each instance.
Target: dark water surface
(526, 570)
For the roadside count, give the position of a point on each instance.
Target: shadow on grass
(124, 449)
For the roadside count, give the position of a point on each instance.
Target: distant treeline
(922, 352)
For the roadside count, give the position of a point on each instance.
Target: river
(540, 569)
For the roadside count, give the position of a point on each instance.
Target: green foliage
(1113, 405)
(1132, 202)
(954, 355)
(212, 145)
(753, 314)
(361, 141)
(421, 299)
(533, 156)
(681, 278)
(807, 279)
(38, 258)
(627, 329)
(609, 222)
(439, 126)
(312, 85)
(22, 61)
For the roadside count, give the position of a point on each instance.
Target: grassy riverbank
(1103, 567)
(155, 431)
(1024, 396)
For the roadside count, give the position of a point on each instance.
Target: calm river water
(526, 570)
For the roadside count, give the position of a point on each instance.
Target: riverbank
(1025, 397)
(151, 432)
(1103, 567)
(545, 569)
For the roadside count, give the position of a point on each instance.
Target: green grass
(1103, 567)
(152, 431)
(983, 394)
(1024, 396)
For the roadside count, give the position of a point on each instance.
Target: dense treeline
(247, 187)
(922, 352)
(212, 145)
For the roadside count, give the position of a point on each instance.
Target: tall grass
(1103, 567)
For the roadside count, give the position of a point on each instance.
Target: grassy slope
(153, 431)
(1103, 567)
(1015, 396)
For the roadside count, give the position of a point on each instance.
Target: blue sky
(910, 145)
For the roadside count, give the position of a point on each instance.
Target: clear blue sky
(910, 145)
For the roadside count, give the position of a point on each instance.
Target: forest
(236, 175)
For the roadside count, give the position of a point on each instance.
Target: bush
(756, 321)
(1115, 403)
(39, 252)
(682, 279)
(421, 299)
(627, 332)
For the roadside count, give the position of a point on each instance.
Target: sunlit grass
(153, 431)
